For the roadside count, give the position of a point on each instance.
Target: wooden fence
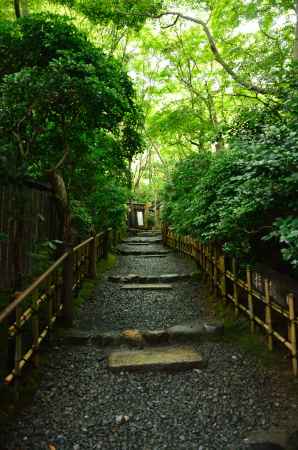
(31, 315)
(229, 281)
(40, 218)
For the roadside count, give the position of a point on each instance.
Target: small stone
(76, 447)
(234, 358)
(121, 419)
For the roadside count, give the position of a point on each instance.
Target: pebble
(160, 410)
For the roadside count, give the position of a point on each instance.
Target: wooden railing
(31, 315)
(230, 282)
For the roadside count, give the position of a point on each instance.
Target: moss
(88, 285)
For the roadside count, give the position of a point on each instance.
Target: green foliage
(247, 193)
(64, 101)
(121, 12)
(285, 231)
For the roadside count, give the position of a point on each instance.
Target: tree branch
(171, 25)
(213, 48)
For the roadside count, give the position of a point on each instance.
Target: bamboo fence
(41, 221)
(31, 315)
(278, 322)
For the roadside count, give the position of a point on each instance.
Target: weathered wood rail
(31, 315)
(279, 322)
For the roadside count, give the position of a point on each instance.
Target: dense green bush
(65, 103)
(244, 197)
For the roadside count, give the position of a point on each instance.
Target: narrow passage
(83, 405)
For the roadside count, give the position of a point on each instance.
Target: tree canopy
(217, 83)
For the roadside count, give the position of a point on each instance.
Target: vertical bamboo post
(18, 350)
(268, 316)
(146, 207)
(250, 299)
(105, 244)
(235, 287)
(291, 305)
(53, 306)
(92, 258)
(223, 283)
(35, 329)
(67, 296)
(210, 256)
(215, 270)
(201, 256)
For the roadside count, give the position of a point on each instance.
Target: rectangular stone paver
(182, 357)
(147, 286)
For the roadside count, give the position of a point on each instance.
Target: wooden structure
(31, 315)
(138, 215)
(233, 284)
(39, 220)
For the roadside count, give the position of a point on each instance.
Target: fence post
(291, 305)
(67, 293)
(18, 352)
(235, 286)
(223, 284)
(105, 245)
(92, 258)
(268, 318)
(35, 329)
(250, 299)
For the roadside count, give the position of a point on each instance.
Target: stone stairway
(170, 345)
(142, 370)
(161, 357)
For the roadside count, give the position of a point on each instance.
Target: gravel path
(211, 409)
(80, 402)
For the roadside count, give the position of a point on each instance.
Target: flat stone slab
(195, 330)
(171, 277)
(147, 286)
(151, 255)
(156, 358)
(273, 439)
(143, 241)
(74, 336)
(137, 252)
(137, 243)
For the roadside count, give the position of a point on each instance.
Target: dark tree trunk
(17, 8)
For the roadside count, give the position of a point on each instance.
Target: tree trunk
(59, 189)
(17, 8)
(295, 50)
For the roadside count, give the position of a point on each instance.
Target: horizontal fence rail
(31, 315)
(279, 322)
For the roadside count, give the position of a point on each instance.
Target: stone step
(182, 357)
(188, 332)
(165, 278)
(151, 255)
(148, 252)
(143, 286)
(147, 233)
(136, 243)
(147, 242)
